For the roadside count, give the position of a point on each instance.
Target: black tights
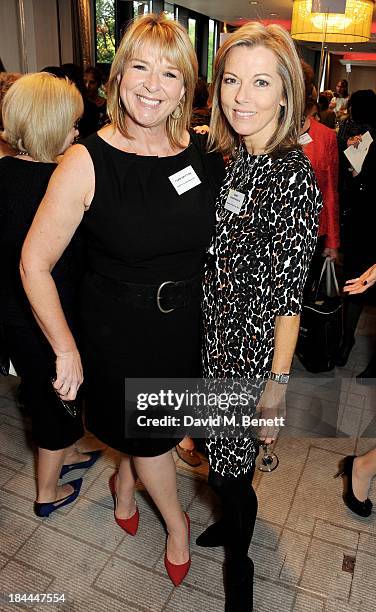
(239, 507)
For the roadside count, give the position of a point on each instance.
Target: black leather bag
(321, 322)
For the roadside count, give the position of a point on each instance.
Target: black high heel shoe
(44, 509)
(345, 468)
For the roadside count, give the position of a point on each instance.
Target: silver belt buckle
(159, 297)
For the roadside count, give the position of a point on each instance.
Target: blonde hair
(6, 80)
(222, 137)
(39, 110)
(173, 44)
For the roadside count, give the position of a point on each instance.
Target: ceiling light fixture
(354, 25)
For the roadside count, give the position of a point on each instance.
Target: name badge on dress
(304, 139)
(234, 201)
(184, 180)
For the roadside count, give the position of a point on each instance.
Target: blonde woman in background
(39, 114)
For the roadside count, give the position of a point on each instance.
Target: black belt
(166, 296)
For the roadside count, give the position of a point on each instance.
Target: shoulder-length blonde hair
(38, 112)
(174, 45)
(222, 137)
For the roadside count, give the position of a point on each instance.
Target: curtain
(82, 33)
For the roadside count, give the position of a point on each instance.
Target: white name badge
(234, 201)
(184, 180)
(304, 139)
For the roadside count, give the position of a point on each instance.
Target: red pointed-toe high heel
(177, 573)
(130, 525)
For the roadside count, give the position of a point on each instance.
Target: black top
(23, 185)
(138, 228)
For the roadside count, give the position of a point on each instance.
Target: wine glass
(268, 460)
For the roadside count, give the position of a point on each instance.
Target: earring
(174, 115)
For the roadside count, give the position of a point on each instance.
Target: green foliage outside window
(211, 49)
(105, 30)
(192, 31)
(141, 8)
(169, 10)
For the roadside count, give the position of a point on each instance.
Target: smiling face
(251, 94)
(150, 88)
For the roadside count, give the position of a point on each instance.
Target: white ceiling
(231, 10)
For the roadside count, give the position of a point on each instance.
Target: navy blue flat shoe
(93, 456)
(45, 509)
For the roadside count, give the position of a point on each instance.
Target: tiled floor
(302, 534)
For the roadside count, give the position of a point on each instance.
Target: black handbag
(321, 322)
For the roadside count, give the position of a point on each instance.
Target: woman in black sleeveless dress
(31, 101)
(146, 236)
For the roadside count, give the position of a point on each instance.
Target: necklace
(22, 153)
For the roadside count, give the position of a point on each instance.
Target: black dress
(140, 231)
(23, 185)
(257, 271)
(359, 235)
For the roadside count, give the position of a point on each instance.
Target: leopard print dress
(257, 267)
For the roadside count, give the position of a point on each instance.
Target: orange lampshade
(350, 27)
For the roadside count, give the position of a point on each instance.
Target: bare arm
(272, 403)
(285, 337)
(69, 193)
(293, 240)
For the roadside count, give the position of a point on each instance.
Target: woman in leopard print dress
(267, 224)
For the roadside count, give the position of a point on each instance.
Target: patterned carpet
(302, 537)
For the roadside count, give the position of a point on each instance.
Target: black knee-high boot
(239, 508)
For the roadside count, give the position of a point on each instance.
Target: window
(141, 8)
(169, 10)
(211, 48)
(105, 31)
(192, 31)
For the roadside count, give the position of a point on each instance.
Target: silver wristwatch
(281, 378)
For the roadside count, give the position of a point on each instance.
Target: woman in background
(358, 472)
(358, 200)
(6, 81)
(39, 113)
(93, 80)
(340, 99)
